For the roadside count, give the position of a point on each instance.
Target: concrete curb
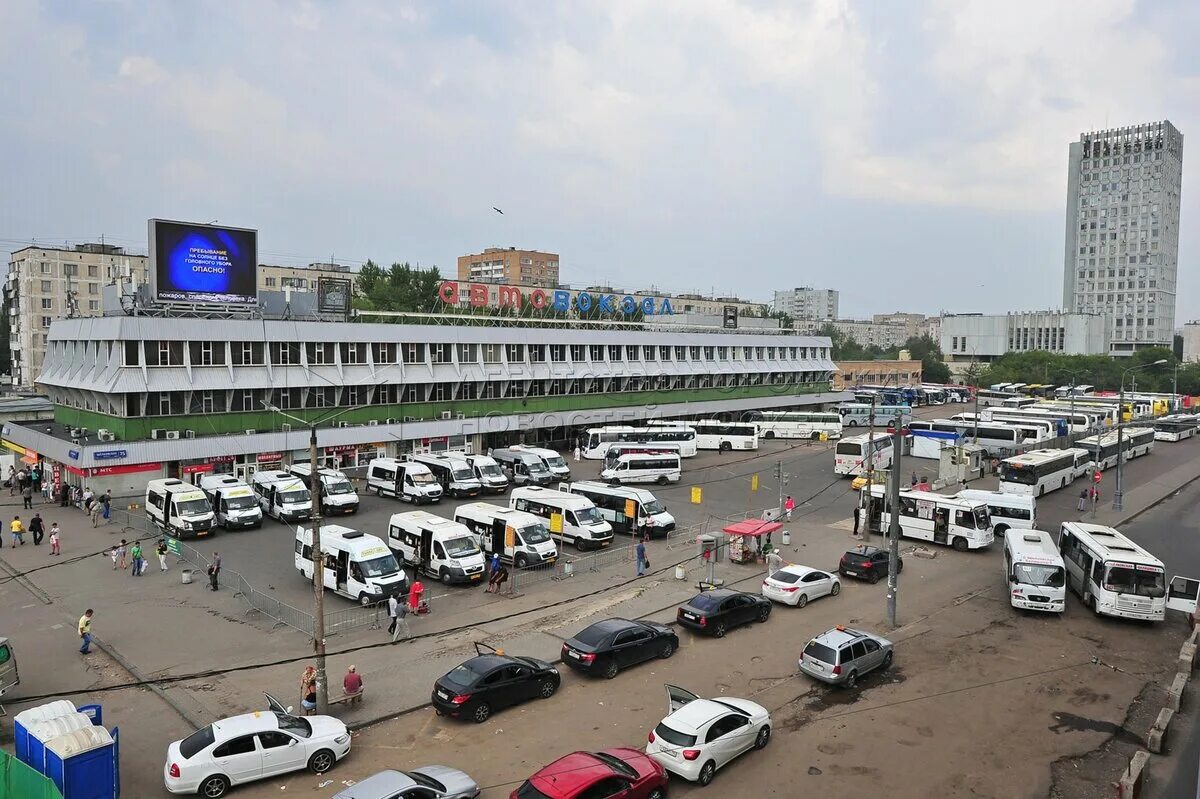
(155, 688)
(1132, 781)
(1156, 739)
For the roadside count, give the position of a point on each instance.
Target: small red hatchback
(617, 773)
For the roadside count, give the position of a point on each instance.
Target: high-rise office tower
(1122, 235)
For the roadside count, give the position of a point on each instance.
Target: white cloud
(142, 69)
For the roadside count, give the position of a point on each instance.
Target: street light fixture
(1074, 375)
(1118, 495)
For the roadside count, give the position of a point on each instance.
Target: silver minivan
(841, 655)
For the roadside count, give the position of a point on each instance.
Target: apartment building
(510, 265)
(300, 278)
(807, 303)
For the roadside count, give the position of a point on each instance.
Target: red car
(612, 774)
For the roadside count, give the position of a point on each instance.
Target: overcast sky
(912, 155)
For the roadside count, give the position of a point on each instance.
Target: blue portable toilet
(84, 764)
(40, 733)
(34, 715)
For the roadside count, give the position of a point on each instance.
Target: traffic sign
(1096, 476)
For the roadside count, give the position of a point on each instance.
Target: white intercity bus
(961, 523)
(1007, 511)
(717, 435)
(858, 414)
(1103, 448)
(1034, 473)
(798, 424)
(1115, 576)
(851, 458)
(599, 439)
(1035, 572)
(1174, 428)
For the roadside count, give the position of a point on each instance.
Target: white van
(282, 496)
(337, 492)
(232, 501)
(556, 463)
(522, 467)
(628, 510)
(438, 547)
(179, 508)
(357, 565)
(661, 469)
(406, 480)
(582, 524)
(1007, 511)
(1036, 575)
(488, 472)
(453, 473)
(530, 545)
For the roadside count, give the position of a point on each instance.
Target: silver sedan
(442, 782)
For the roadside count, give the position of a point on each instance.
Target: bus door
(425, 552)
(343, 567)
(875, 514)
(1183, 593)
(941, 524)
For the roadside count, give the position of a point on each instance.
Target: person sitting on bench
(352, 685)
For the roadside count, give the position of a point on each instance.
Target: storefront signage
(556, 300)
(221, 459)
(73, 454)
(109, 454)
(336, 448)
(192, 468)
(17, 448)
(269, 457)
(125, 468)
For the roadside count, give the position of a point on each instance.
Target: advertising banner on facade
(203, 263)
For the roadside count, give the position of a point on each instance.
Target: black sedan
(490, 681)
(717, 611)
(608, 646)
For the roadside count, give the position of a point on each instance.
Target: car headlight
(453, 564)
(187, 525)
(341, 739)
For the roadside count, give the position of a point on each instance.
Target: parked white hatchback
(253, 746)
(795, 585)
(702, 735)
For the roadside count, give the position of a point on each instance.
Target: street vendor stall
(749, 539)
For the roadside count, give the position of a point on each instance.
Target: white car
(702, 735)
(253, 746)
(795, 585)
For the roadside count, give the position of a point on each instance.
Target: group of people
(27, 484)
(497, 574)
(96, 507)
(37, 529)
(123, 556)
(352, 687)
(1090, 494)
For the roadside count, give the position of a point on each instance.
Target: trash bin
(787, 538)
(186, 575)
(680, 572)
(568, 567)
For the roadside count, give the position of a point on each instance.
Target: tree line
(1102, 371)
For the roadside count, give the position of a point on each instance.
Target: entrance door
(1183, 594)
(941, 525)
(343, 565)
(245, 472)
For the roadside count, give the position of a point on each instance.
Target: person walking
(36, 529)
(47, 492)
(88, 497)
(789, 505)
(136, 555)
(27, 496)
(121, 552)
(64, 496)
(915, 479)
(857, 513)
(1082, 504)
(85, 632)
(97, 509)
(774, 562)
(397, 612)
(55, 549)
(501, 578)
(161, 551)
(214, 571)
(18, 531)
(577, 453)
(12, 480)
(640, 553)
(106, 501)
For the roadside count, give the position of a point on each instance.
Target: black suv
(867, 563)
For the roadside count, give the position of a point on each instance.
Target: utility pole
(318, 559)
(779, 479)
(865, 505)
(894, 527)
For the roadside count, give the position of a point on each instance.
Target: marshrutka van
(357, 565)
(520, 538)
(337, 492)
(406, 480)
(555, 462)
(282, 496)
(628, 510)
(232, 501)
(438, 547)
(523, 467)
(661, 469)
(453, 473)
(488, 472)
(1035, 572)
(179, 508)
(581, 523)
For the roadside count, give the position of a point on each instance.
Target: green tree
(402, 287)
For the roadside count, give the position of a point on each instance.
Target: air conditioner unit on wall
(389, 420)
(251, 432)
(410, 418)
(104, 435)
(189, 433)
(285, 427)
(447, 415)
(155, 433)
(172, 434)
(373, 423)
(343, 424)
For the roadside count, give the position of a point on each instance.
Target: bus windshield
(297, 496)
(653, 507)
(1140, 581)
(193, 506)
(982, 518)
(421, 478)
(490, 470)
(1015, 474)
(587, 516)
(462, 474)
(556, 462)
(381, 566)
(241, 503)
(339, 487)
(461, 547)
(1039, 574)
(534, 534)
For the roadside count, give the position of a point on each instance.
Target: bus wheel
(960, 544)
(726, 446)
(1001, 530)
(662, 479)
(769, 434)
(815, 436)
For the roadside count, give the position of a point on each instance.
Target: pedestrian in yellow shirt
(18, 531)
(85, 631)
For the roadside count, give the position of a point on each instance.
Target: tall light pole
(1118, 495)
(1074, 375)
(894, 527)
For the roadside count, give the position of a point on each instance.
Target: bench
(349, 699)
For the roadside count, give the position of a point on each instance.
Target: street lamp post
(1118, 494)
(1074, 375)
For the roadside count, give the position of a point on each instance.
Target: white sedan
(794, 585)
(702, 735)
(253, 746)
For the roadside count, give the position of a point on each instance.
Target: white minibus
(1115, 576)
(661, 469)
(628, 510)
(232, 501)
(581, 524)
(438, 547)
(337, 492)
(1034, 571)
(961, 523)
(403, 479)
(850, 455)
(453, 473)
(1041, 470)
(555, 462)
(1007, 511)
(798, 424)
(520, 538)
(179, 508)
(522, 467)
(282, 496)
(358, 566)
(488, 472)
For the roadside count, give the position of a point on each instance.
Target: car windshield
(782, 576)
(983, 518)
(294, 724)
(1142, 581)
(618, 765)
(193, 506)
(1039, 574)
(587, 516)
(241, 503)
(428, 782)
(382, 566)
(818, 651)
(491, 470)
(339, 487)
(653, 507)
(422, 478)
(556, 462)
(535, 534)
(462, 474)
(196, 742)
(295, 497)
(673, 736)
(705, 602)
(527, 791)
(461, 547)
